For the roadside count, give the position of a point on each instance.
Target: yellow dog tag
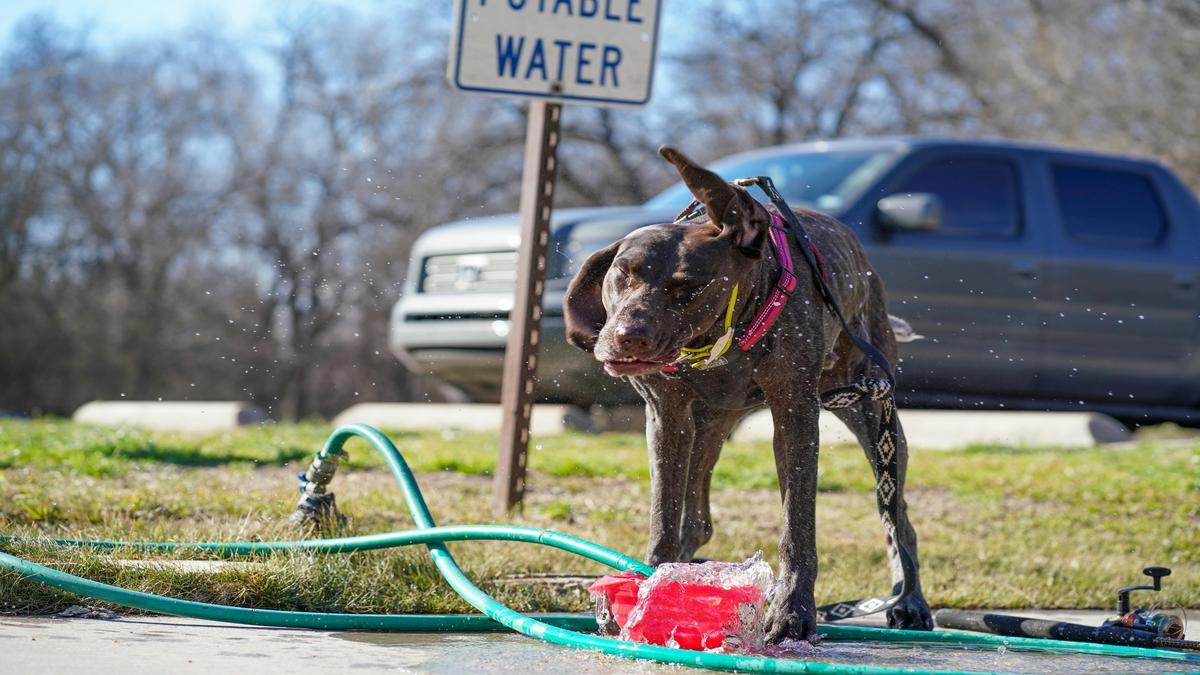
(719, 348)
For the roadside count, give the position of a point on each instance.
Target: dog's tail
(903, 331)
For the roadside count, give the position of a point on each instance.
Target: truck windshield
(827, 181)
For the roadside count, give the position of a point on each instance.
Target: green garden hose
(558, 629)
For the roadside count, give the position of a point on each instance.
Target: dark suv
(1041, 277)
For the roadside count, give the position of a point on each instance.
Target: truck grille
(470, 272)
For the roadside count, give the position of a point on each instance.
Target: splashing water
(713, 606)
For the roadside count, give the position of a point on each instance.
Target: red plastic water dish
(694, 615)
(697, 616)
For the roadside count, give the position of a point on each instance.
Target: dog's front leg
(670, 431)
(793, 611)
(712, 428)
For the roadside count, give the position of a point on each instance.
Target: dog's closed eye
(630, 267)
(681, 284)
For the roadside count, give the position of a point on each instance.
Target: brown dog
(638, 302)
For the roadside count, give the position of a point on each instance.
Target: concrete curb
(948, 429)
(172, 415)
(546, 419)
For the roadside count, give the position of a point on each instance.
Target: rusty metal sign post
(596, 52)
(525, 319)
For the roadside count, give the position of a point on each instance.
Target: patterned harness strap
(887, 473)
(869, 388)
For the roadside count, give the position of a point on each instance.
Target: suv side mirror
(912, 211)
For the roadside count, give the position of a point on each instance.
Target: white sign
(582, 51)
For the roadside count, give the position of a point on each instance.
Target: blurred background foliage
(201, 215)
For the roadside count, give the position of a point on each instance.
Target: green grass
(999, 526)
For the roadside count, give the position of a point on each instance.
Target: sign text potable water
(586, 51)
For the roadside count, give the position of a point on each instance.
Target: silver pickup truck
(1041, 277)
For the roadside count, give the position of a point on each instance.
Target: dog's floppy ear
(734, 211)
(583, 306)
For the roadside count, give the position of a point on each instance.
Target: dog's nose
(634, 340)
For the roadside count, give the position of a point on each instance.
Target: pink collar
(784, 285)
(769, 312)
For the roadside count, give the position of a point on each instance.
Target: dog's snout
(634, 340)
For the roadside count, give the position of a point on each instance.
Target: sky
(116, 20)
(119, 19)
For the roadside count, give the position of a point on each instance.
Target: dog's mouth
(631, 366)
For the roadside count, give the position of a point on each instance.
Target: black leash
(806, 247)
(887, 479)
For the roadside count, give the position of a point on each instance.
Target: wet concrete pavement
(174, 645)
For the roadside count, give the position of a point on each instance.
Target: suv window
(979, 196)
(1103, 206)
(823, 180)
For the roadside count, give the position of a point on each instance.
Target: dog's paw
(792, 615)
(911, 613)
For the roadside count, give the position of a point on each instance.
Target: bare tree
(25, 136)
(1109, 74)
(356, 157)
(113, 188)
(753, 78)
(136, 195)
